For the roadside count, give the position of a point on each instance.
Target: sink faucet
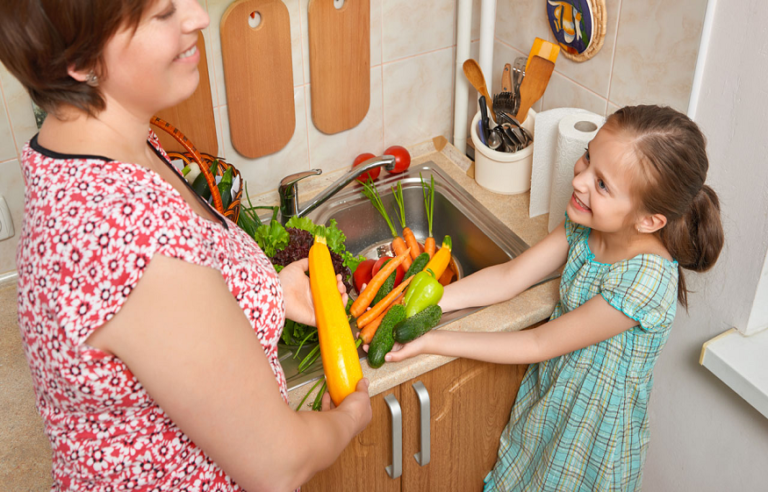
(289, 191)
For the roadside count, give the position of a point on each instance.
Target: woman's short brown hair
(41, 39)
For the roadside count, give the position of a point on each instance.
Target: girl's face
(601, 185)
(155, 67)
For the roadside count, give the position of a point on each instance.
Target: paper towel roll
(544, 151)
(574, 132)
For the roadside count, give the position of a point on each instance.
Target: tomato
(363, 274)
(380, 263)
(402, 158)
(373, 173)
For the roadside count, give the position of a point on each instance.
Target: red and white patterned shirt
(91, 227)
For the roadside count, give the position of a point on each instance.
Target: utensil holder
(505, 173)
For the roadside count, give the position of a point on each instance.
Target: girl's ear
(649, 224)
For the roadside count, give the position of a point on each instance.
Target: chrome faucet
(289, 191)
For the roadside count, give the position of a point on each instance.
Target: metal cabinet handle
(422, 457)
(396, 468)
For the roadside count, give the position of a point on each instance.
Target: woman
(138, 302)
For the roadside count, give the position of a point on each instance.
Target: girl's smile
(579, 205)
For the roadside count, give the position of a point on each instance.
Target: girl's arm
(590, 323)
(504, 281)
(203, 364)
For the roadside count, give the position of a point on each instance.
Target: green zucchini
(386, 287)
(382, 341)
(418, 324)
(418, 265)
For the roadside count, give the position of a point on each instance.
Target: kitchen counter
(25, 455)
(530, 307)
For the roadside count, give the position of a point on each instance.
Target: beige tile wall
(648, 56)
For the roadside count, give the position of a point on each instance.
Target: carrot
(446, 277)
(398, 246)
(429, 206)
(410, 240)
(366, 334)
(430, 246)
(367, 295)
(383, 304)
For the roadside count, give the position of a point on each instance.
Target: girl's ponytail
(673, 164)
(696, 238)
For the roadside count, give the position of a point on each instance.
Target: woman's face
(154, 67)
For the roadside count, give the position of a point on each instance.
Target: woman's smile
(192, 55)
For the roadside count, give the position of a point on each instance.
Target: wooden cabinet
(470, 403)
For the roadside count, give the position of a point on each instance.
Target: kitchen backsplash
(649, 55)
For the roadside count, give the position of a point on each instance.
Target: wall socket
(6, 223)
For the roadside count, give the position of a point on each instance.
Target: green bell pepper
(423, 292)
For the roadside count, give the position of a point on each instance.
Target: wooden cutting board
(194, 116)
(258, 73)
(339, 63)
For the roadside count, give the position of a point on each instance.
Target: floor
(25, 454)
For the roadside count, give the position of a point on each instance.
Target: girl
(640, 212)
(150, 322)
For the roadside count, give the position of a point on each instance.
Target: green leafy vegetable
(351, 261)
(271, 238)
(303, 223)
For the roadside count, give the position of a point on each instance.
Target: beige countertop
(25, 455)
(532, 306)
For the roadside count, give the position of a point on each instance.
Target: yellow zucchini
(337, 345)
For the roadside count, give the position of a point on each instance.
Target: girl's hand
(406, 351)
(298, 296)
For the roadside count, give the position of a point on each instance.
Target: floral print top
(91, 227)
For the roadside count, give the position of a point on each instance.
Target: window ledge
(741, 363)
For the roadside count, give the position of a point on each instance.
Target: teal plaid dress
(580, 422)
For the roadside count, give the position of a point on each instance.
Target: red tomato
(402, 158)
(380, 263)
(373, 173)
(363, 274)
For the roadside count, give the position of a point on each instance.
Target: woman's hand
(298, 296)
(357, 405)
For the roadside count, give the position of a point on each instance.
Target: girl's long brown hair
(674, 164)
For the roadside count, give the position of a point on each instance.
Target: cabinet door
(470, 405)
(362, 465)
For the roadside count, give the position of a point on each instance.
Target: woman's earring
(92, 79)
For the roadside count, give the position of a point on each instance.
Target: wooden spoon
(534, 84)
(475, 76)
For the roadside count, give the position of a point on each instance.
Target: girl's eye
(586, 154)
(601, 184)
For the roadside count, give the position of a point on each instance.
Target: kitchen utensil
(494, 138)
(194, 116)
(482, 131)
(339, 63)
(544, 49)
(475, 77)
(259, 76)
(505, 100)
(484, 118)
(534, 84)
(518, 72)
(519, 130)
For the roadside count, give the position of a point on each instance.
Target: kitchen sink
(479, 239)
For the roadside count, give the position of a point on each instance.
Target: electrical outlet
(6, 223)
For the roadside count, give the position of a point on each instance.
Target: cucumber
(418, 324)
(200, 185)
(418, 265)
(386, 287)
(382, 341)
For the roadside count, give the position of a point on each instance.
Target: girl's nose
(195, 17)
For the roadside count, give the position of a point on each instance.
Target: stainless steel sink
(479, 239)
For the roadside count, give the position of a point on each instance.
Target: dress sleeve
(644, 289)
(574, 232)
(113, 243)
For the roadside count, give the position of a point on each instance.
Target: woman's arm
(202, 363)
(502, 282)
(590, 323)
